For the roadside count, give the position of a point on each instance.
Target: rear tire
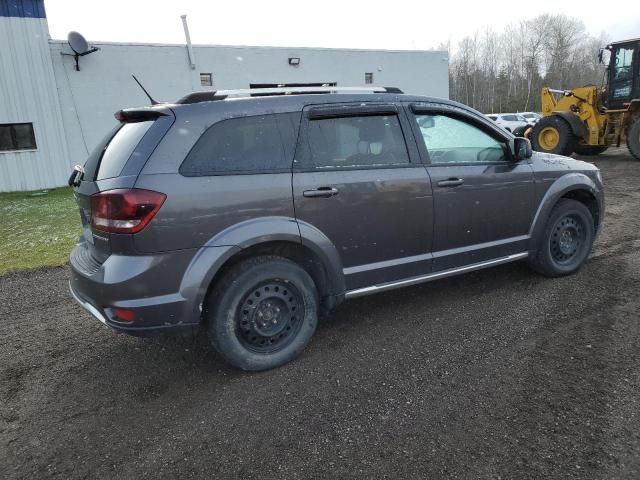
(262, 313)
(553, 135)
(566, 241)
(590, 149)
(633, 138)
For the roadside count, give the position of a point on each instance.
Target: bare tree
(505, 71)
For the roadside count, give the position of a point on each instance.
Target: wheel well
(588, 200)
(296, 252)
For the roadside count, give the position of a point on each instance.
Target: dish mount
(80, 47)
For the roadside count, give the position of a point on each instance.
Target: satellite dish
(79, 46)
(77, 43)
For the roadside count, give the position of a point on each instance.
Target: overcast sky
(396, 24)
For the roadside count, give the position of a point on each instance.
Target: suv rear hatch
(104, 187)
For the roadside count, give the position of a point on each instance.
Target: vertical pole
(192, 58)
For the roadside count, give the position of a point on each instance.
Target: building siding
(28, 94)
(90, 97)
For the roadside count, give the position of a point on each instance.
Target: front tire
(262, 313)
(553, 135)
(566, 241)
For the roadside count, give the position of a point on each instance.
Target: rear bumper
(148, 286)
(102, 316)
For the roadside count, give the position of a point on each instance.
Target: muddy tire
(262, 313)
(566, 241)
(553, 135)
(590, 149)
(633, 138)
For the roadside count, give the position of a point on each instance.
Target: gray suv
(248, 213)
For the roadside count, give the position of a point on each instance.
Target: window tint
(347, 142)
(622, 72)
(449, 140)
(17, 136)
(510, 118)
(240, 145)
(120, 148)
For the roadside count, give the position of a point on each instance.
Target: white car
(531, 117)
(509, 121)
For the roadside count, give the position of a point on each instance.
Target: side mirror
(521, 148)
(426, 122)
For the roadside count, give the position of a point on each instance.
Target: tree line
(505, 71)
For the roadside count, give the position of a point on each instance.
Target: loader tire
(590, 149)
(553, 135)
(633, 138)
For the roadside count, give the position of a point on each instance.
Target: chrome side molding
(359, 292)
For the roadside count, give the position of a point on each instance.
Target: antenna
(153, 102)
(80, 47)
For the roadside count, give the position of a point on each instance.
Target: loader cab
(623, 73)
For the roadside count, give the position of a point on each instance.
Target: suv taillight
(124, 210)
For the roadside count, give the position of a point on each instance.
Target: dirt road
(497, 374)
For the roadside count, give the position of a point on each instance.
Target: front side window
(622, 79)
(238, 145)
(450, 140)
(352, 142)
(17, 136)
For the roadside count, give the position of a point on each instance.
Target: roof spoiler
(132, 115)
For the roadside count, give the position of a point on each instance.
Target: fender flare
(210, 258)
(562, 186)
(578, 127)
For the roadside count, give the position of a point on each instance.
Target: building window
(206, 80)
(17, 136)
(368, 78)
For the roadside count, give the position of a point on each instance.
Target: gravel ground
(497, 374)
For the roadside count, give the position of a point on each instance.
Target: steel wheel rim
(549, 138)
(269, 316)
(567, 239)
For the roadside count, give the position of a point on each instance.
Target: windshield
(622, 75)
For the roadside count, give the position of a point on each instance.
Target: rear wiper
(76, 176)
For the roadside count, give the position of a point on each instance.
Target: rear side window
(354, 142)
(111, 154)
(244, 145)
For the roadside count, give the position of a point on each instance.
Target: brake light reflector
(124, 314)
(124, 210)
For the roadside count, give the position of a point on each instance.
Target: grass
(37, 229)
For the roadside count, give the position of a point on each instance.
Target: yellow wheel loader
(588, 120)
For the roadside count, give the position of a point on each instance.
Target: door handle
(320, 192)
(451, 182)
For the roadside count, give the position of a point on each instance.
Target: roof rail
(197, 97)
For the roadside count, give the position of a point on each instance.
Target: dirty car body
(363, 191)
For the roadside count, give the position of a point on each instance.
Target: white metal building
(51, 115)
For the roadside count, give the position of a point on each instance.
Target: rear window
(262, 143)
(111, 154)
